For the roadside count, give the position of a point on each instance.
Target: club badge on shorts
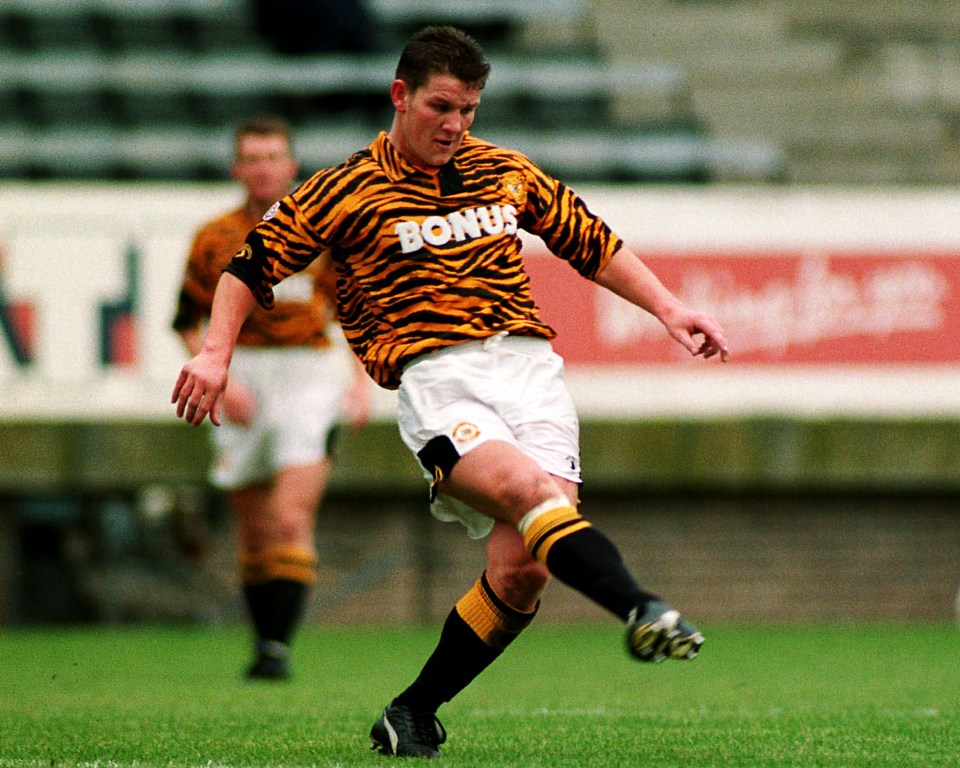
(464, 432)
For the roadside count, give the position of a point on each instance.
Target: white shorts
(299, 393)
(508, 388)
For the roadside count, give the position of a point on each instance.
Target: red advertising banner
(818, 307)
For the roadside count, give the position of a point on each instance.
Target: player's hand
(687, 326)
(199, 391)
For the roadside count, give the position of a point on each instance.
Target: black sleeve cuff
(250, 266)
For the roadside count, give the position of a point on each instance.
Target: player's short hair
(442, 50)
(263, 125)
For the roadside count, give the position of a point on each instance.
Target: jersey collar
(391, 161)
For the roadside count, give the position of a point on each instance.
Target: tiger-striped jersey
(304, 305)
(425, 260)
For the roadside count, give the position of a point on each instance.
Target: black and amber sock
(476, 632)
(583, 558)
(275, 586)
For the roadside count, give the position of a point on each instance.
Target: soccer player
(423, 227)
(282, 405)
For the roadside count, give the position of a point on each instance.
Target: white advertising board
(89, 274)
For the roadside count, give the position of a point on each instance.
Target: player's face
(432, 120)
(265, 167)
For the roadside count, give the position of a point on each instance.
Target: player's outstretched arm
(628, 277)
(199, 390)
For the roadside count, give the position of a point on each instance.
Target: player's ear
(399, 91)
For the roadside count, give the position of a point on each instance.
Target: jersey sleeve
(282, 244)
(563, 221)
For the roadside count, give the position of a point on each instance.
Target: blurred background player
(288, 383)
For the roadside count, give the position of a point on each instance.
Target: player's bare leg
(278, 558)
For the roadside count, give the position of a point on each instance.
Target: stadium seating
(809, 91)
(150, 90)
(852, 92)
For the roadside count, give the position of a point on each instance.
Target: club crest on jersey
(468, 224)
(246, 252)
(514, 186)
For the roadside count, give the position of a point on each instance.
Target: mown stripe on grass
(8, 763)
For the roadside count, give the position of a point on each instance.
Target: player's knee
(518, 584)
(530, 579)
(292, 531)
(518, 489)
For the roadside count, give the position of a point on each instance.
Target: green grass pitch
(162, 697)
